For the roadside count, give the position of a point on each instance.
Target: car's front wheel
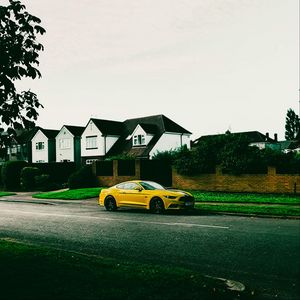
(110, 203)
(157, 206)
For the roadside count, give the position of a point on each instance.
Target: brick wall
(259, 183)
(262, 183)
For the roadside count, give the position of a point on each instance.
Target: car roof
(135, 181)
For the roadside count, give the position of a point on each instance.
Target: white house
(97, 139)
(43, 145)
(144, 137)
(68, 144)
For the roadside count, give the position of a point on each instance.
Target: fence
(113, 172)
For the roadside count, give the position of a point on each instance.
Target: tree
(19, 53)
(292, 125)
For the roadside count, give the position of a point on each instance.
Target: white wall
(110, 140)
(39, 155)
(92, 130)
(64, 153)
(170, 141)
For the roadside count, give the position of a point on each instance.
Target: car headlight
(170, 197)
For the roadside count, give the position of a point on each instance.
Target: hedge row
(16, 175)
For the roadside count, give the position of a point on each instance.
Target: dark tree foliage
(292, 125)
(19, 53)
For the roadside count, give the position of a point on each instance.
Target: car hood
(176, 192)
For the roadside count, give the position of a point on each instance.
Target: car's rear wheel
(110, 203)
(157, 206)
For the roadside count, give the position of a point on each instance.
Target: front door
(132, 195)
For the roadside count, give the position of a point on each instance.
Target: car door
(133, 195)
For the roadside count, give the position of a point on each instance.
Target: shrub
(28, 175)
(58, 172)
(44, 183)
(0, 175)
(83, 178)
(10, 174)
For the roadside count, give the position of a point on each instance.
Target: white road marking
(112, 219)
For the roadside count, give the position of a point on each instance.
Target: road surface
(262, 253)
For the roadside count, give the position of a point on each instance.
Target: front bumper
(185, 202)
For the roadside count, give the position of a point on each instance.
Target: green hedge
(83, 178)
(28, 175)
(10, 173)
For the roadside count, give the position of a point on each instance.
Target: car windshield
(150, 185)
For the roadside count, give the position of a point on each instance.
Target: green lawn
(32, 272)
(265, 204)
(245, 198)
(275, 210)
(77, 194)
(2, 194)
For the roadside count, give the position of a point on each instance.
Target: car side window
(121, 186)
(131, 186)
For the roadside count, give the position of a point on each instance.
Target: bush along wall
(58, 172)
(27, 178)
(83, 178)
(10, 173)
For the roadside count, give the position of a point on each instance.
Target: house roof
(252, 136)
(26, 135)
(149, 128)
(155, 125)
(108, 127)
(49, 133)
(289, 145)
(75, 130)
(161, 122)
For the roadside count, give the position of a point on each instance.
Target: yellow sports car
(144, 194)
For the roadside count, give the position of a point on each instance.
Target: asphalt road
(262, 253)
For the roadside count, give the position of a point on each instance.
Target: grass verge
(275, 210)
(245, 198)
(77, 194)
(2, 194)
(263, 204)
(32, 272)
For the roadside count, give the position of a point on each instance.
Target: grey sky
(210, 65)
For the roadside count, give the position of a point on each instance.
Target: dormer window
(139, 140)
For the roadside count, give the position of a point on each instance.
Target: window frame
(90, 146)
(40, 146)
(139, 140)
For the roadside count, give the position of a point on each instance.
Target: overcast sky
(209, 65)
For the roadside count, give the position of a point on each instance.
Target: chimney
(267, 136)
(275, 137)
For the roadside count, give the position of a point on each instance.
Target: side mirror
(138, 188)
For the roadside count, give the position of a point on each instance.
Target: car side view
(145, 194)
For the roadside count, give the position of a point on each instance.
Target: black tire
(157, 206)
(110, 203)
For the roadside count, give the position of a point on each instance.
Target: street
(262, 253)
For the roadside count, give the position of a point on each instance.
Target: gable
(64, 133)
(39, 136)
(91, 129)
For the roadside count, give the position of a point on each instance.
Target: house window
(138, 140)
(91, 142)
(64, 143)
(13, 150)
(40, 146)
(90, 161)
